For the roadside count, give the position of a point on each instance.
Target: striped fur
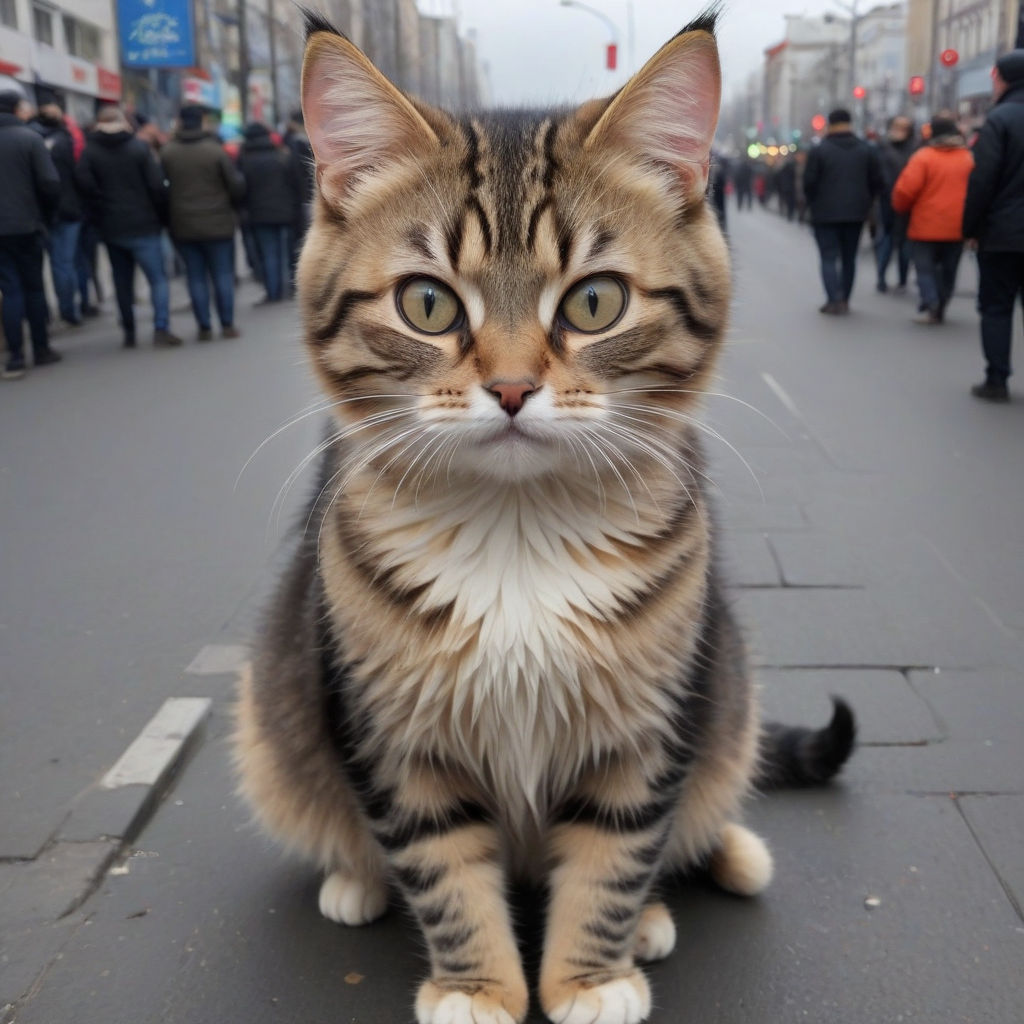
(501, 647)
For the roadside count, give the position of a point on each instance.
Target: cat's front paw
(622, 1000)
(655, 934)
(351, 901)
(471, 1003)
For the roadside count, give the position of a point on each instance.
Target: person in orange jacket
(932, 188)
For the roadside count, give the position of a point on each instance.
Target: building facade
(63, 50)
(978, 30)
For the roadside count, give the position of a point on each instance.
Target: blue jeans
(63, 246)
(837, 244)
(893, 238)
(148, 252)
(936, 265)
(85, 263)
(270, 241)
(21, 284)
(205, 261)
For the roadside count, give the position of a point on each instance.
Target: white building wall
(49, 67)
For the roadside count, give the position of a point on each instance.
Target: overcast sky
(538, 52)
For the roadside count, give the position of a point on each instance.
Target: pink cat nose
(511, 395)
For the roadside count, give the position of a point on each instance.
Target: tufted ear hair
(356, 120)
(666, 114)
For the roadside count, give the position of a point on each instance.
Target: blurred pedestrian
(273, 190)
(29, 197)
(994, 216)
(718, 181)
(785, 185)
(123, 180)
(931, 189)
(893, 154)
(204, 188)
(743, 183)
(841, 180)
(62, 240)
(297, 142)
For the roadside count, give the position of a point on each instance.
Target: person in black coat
(122, 180)
(994, 217)
(841, 181)
(62, 242)
(29, 196)
(273, 192)
(297, 142)
(893, 154)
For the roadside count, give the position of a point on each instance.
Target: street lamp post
(612, 28)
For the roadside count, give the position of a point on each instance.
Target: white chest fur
(530, 575)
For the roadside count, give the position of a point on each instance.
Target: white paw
(621, 1001)
(655, 934)
(437, 1007)
(742, 863)
(349, 901)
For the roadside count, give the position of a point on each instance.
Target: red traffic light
(859, 92)
(818, 122)
(613, 54)
(916, 87)
(949, 58)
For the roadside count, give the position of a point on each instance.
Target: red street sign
(916, 87)
(613, 53)
(949, 57)
(818, 122)
(859, 92)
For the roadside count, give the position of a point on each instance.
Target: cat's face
(516, 293)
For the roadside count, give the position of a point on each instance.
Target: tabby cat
(501, 648)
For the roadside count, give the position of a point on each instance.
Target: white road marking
(156, 749)
(218, 659)
(782, 395)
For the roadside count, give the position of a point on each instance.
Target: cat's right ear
(356, 120)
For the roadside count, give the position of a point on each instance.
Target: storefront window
(8, 13)
(82, 40)
(42, 25)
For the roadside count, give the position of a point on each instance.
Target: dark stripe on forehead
(474, 204)
(538, 212)
(604, 238)
(347, 301)
(692, 321)
(552, 167)
(471, 165)
(418, 240)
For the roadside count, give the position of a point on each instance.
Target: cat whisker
(377, 419)
(705, 429)
(318, 407)
(701, 394)
(601, 446)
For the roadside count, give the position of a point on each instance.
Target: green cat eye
(594, 304)
(428, 306)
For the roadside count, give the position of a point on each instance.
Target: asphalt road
(871, 511)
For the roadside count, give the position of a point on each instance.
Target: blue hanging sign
(156, 33)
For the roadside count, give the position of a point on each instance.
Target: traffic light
(916, 87)
(613, 54)
(859, 92)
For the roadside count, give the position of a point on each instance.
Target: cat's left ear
(666, 114)
(356, 120)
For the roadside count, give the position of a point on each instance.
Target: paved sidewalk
(875, 551)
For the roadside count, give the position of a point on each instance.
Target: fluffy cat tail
(795, 756)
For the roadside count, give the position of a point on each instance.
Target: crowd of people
(66, 190)
(924, 200)
(154, 204)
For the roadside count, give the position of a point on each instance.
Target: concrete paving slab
(953, 766)
(212, 924)
(998, 825)
(819, 560)
(846, 628)
(748, 561)
(887, 708)
(760, 516)
(981, 705)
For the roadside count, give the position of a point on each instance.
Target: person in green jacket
(205, 189)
